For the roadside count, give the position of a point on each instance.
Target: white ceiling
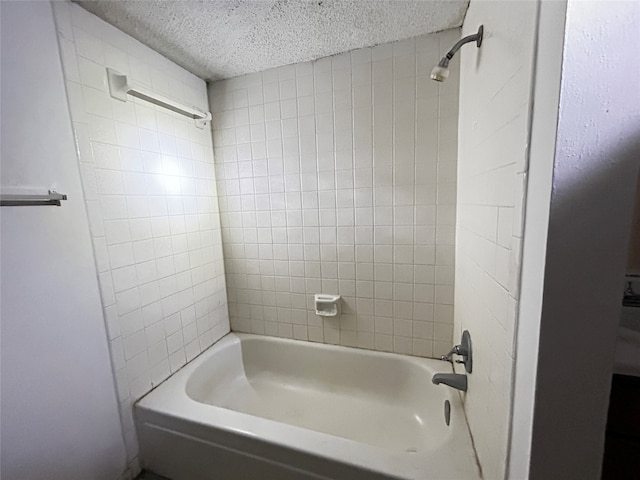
(224, 38)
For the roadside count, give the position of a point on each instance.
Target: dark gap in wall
(146, 475)
(622, 442)
(633, 262)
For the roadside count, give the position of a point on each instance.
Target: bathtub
(257, 407)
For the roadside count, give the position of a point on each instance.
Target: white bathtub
(256, 407)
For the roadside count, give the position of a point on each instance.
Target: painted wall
(339, 176)
(148, 178)
(495, 84)
(594, 181)
(544, 124)
(59, 408)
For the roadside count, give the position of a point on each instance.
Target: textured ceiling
(224, 38)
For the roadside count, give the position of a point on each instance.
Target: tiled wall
(148, 180)
(339, 176)
(495, 98)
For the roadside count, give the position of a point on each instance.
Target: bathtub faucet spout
(454, 380)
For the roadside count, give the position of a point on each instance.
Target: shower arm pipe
(476, 37)
(120, 85)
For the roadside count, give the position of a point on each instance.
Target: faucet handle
(464, 350)
(449, 356)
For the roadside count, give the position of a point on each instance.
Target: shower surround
(335, 176)
(339, 176)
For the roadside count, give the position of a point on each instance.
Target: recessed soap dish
(327, 305)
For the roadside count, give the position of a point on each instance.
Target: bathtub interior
(381, 400)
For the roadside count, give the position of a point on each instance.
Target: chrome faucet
(454, 380)
(464, 350)
(449, 356)
(629, 290)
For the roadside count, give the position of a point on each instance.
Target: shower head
(441, 71)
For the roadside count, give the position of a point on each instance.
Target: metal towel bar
(23, 200)
(120, 85)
